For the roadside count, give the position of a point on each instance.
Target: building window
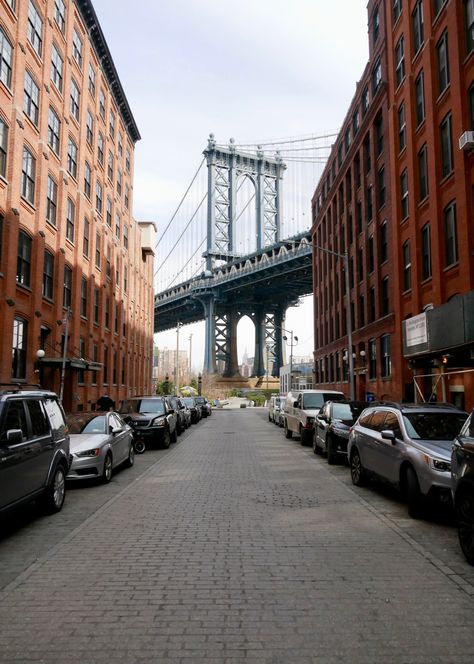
(54, 131)
(119, 182)
(98, 197)
(102, 104)
(52, 201)
(70, 220)
(23, 262)
(417, 26)
(77, 48)
(402, 127)
(108, 212)
(85, 239)
(127, 160)
(114, 367)
(97, 251)
(87, 180)
(372, 359)
(404, 194)
(443, 64)
(383, 242)
(450, 235)
(31, 98)
(406, 266)
(112, 125)
(60, 14)
(369, 203)
(28, 176)
(106, 365)
(117, 225)
(72, 158)
(437, 6)
(57, 68)
(84, 297)
(110, 166)
(3, 147)
(95, 359)
(35, 28)
(116, 319)
(19, 345)
(423, 172)
(386, 358)
(469, 21)
(397, 9)
(372, 311)
(82, 352)
(370, 254)
(125, 279)
(100, 149)
(126, 198)
(6, 56)
(379, 134)
(123, 369)
(447, 161)
(384, 297)
(96, 305)
(91, 83)
(90, 128)
(420, 98)
(125, 236)
(375, 25)
(347, 140)
(426, 252)
(67, 289)
(108, 262)
(107, 312)
(376, 76)
(381, 186)
(359, 216)
(48, 275)
(400, 60)
(75, 99)
(365, 101)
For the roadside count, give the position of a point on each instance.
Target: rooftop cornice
(99, 43)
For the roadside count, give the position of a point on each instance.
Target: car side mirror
(14, 436)
(389, 435)
(171, 411)
(115, 430)
(295, 404)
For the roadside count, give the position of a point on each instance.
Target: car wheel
(464, 504)
(131, 456)
(56, 492)
(358, 472)
(166, 441)
(107, 471)
(139, 446)
(331, 453)
(280, 423)
(413, 494)
(304, 436)
(269, 417)
(315, 446)
(288, 433)
(174, 435)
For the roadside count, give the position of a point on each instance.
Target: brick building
(76, 269)
(397, 177)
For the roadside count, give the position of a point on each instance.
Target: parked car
(274, 408)
(332, 425)
(205, 406)
(300, 410)
(408, 446)
(194, 409)
(462, 476)
(100, 442)
(34, 449)
(152, 418)
(182, 413)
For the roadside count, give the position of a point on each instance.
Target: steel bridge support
(226, 341)
(209, 303)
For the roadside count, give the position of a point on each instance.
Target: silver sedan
(99, 443)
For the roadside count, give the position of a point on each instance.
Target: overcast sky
(252, 69)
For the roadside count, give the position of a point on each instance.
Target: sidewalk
(236, 547)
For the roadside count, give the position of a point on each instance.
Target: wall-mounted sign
(415, 330)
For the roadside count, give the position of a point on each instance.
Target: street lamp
(293, 339)
(350, 357)
(177, 358)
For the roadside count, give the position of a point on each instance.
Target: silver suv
(408, 446)
(34, 449)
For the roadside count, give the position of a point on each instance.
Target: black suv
(34, 449)
(181, 412)
(196, 412)
(332, 425)
(153, 419)
(462, 476)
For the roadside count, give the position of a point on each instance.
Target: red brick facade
(68, 238)
(426, 101)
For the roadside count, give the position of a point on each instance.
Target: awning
(71, 363)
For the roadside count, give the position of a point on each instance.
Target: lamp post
(177, 358)
(268, 348)
(190, 363)
(293, 339)
(39, 356)
(350, 357)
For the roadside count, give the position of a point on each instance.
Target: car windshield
(155, 406)
(189, 401)
(345, 411)
(200, 400)
(433, 426)
(87, 423)
(316, 399)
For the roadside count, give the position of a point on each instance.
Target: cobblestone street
(237, 545)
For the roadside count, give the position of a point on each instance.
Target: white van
(301, 408)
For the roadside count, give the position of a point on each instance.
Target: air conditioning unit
(466, 141)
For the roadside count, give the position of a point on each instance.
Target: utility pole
(63, 363)
(176, 387)
(190, 362)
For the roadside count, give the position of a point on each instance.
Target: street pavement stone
(241, 546)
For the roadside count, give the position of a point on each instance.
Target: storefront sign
(415, 330)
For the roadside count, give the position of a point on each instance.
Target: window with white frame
(75, 99)
(77, 48)
(60, 14)
(54, 130)
(70, 220)
(28, 175)
(6, 58)
(72, 158)
(52, 201)
(3, 147)
(35, 28)
(57, 67)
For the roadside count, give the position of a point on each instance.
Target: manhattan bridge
(239, 244)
